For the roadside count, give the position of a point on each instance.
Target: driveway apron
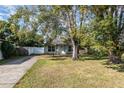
(14, 70)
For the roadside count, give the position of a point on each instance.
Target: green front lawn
(62, 72)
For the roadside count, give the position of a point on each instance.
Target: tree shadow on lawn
(117, 67)
(57, 59)
(92, 57)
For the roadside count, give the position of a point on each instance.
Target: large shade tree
(72, 18)
(108, 27)
(38, 19)
(52, 20)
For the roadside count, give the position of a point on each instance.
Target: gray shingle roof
(58, 41)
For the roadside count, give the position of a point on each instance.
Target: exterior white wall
(35, 50)
(62, 50)
(59, 50)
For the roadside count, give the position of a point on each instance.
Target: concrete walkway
(13, 71)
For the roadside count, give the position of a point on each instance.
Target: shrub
(7, 49)
(98, 53)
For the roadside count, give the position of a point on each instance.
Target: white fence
(35, 50)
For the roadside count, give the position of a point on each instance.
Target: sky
(6, 11)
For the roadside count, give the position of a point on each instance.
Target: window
(69, 48)
(51, 48)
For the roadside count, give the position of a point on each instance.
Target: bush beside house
(9, 50)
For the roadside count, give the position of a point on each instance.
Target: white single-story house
(1, 57)
(55, 47)
(58, 47)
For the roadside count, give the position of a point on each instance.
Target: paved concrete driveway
(11, 72)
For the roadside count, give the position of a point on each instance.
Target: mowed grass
(54, 72)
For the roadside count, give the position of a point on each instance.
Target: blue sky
(6, 11)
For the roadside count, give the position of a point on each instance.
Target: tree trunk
(114, 58)
(88, 50)
(75, 52)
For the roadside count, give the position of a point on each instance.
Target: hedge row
(9, 50)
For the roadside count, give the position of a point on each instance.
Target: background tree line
(10, 32)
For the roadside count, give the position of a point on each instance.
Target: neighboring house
(58, 47)
(1, 57)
